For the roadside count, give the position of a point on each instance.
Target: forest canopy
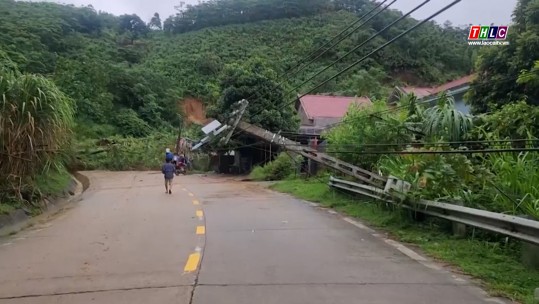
(127, 75)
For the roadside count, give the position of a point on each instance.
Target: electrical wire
(484, 151)
(433, 145)
(335, 37)
(481, 151)
(476, 142)
(382, 47)
(373, 52)
(284, 75)
(340, 40)
(360, 45)
(421, 102)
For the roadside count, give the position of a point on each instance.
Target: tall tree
(499, 68)
(255, 82)
(155, 23)
(134, 25)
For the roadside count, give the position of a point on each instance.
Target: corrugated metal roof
(427, 92)
(329, 106)
(454, 84)
(419, 92)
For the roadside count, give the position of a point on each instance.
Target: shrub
(359, 128)
(452, 177)
(282, 167)
(200, 162)
(118, 153)
(130, 124)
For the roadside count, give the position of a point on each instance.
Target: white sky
(467, 11)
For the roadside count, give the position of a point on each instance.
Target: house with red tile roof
(456, 88)
(317, 112)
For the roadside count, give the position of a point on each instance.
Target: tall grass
(517, 181)
(35, 128)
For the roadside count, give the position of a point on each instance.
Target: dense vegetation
(123, 77)
(378, 138)
(375, 138)
(35, 130)
(510, 73)
(72, 79)
(127, 76)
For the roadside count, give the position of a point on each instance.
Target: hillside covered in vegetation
(81, 88)
(126, 76)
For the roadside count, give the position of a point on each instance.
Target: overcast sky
(466, 12)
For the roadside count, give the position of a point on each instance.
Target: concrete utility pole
(212, 130)
(239, 114)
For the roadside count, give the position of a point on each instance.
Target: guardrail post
(530, 252)
(530, 255)
(459, 230)
(397, 188)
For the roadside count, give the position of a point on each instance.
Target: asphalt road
(214, 240)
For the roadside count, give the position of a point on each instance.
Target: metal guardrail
(513, 226)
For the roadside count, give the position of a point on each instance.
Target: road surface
(214, 240)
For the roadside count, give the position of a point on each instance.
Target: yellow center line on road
(196, 202)
(192, 262)
(201, 230)
(184, 189)
(191, 194)
(200, 213)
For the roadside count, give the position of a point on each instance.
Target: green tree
(155, 23)
(517, 120)
(108, 63)
(255, 82)
(530, 77)
(498, 68)
(133, 25)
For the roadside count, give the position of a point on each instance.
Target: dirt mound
(194, 111)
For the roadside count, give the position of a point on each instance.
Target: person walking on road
(168, 155)
(168, 171)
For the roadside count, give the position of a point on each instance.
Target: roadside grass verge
(48, 184)
(482, 256)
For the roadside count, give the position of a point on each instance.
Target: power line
(497, 142)
(500, 143)
(483, 151)
(382, 47)
(374, 114)
(480, 151)
(420, 102)
(335, 37)
(378, 49)
(360, 45)
(361, 149)
(340, 40)
(330, 41)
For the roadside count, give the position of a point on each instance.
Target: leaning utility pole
(178, 140)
